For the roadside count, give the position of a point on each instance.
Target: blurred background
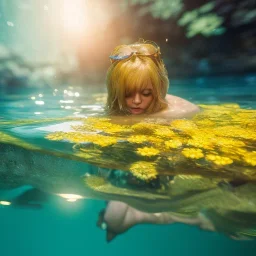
(63, 41)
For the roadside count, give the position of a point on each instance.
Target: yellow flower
(143, 170)
(173, 143)
(100, 124)
(94, 182)
(137, 139)
(80, 137)
(194, 153)
(187, 126)
(147, 151)
(236, 154)
(250, 124)
(103, 124)
(229, 142)
(105, 141)
(164, 132)
(202, 139)
(156, 141)
(250, 158)
(205, 123)
(144, 128)
(219, 160)
(235, 132)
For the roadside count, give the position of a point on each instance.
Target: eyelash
(144, 94)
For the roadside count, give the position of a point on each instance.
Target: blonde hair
(143, 66)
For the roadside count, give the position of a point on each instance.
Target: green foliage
(198, 21)
(243, 16)
(165, 9)
(202, 21)
(188, 17)
(162, 9)
(206, 25)
(207, 7)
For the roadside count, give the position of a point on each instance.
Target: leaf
(188, 17)
(207, 7)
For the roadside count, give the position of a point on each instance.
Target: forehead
(138, 81)
(148, 87)
(139, 85)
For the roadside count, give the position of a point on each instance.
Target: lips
(136, 111)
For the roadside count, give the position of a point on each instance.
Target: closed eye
(147, 92)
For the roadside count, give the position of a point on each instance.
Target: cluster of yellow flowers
(94, 182)
(138, 139)
(164, 132)
(194, 153)
(216, 138)
(173, 143)
(80, 137)
(144, 170)
(144, 128)
(148, 151)
(250, 158)
(219, 160)
(186, 126)
(100, 124)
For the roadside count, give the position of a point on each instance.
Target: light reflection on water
(87, 100)
(46, 103)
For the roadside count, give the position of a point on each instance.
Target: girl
(137, 84)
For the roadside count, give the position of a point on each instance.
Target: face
(139, 101)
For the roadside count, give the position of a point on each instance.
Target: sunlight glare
(5, 203)
(74, 16)
(70, 197)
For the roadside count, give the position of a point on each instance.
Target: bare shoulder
(178, 108)
(180, 103)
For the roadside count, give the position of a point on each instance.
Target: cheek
(128, 101)
(149, 100)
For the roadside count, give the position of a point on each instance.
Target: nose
(136, 99)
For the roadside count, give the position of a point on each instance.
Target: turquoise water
(70, 228)
(60, 101)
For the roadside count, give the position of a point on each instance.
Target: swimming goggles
(155, 54)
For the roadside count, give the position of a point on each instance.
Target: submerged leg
(118, 217)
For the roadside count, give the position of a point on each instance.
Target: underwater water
(64, 228)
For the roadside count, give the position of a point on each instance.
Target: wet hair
(128, 75)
